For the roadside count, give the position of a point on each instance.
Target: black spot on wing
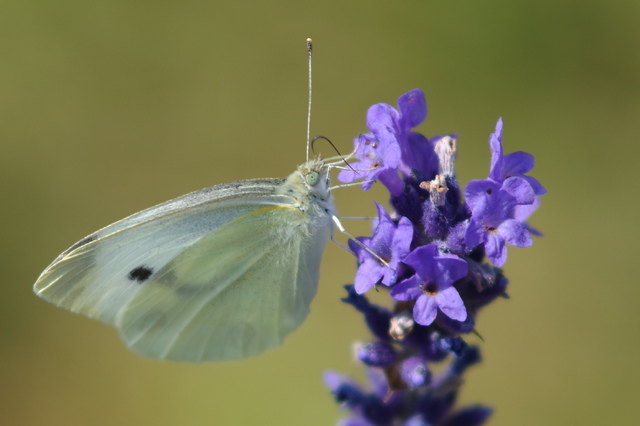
(140, 274)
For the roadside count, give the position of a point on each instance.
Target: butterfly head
(315, 178)
(311, 180)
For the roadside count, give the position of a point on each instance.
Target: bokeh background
(109, 107)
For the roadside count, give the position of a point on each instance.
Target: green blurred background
(110, 107)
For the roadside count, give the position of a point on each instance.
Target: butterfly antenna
(309, 50)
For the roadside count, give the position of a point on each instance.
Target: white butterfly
(218, 274)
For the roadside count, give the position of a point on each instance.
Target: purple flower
(390, 140)
(391, 242)
(431, 286)
(378, 151)
(510, 165)
(493, 222)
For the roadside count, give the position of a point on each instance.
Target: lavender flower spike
(437, 247)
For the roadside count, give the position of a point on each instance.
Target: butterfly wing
(101, 274)
(235, 293)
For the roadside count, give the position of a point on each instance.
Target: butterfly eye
(312, 178)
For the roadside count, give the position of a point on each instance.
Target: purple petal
(391, 180)
(369, 273)
(402, 239)
(383, 233)
(523, 211)
(495, 249)
(449, 268)
(520, 189)
(479, 195)
(407, 290)
(495, 144)
(433, 267)
(532, 230)
(357, 249)
(516, 163)
(389, 151)
(425, 310)
(381, 116)
(498, 131)
(450, 303)
(362, 144)
(418, 155)
(362, 169)
(413, 108)
(377, 159)
(348, 176)
(383, 215)
(475, 234)
(389, 276)
(515, 233)
(537, 186)
(382, 122)
(421, 259)
(388, 177)
(368, 184)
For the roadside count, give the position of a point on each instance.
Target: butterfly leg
(340, 227)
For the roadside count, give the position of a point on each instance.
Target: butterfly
(223, 273)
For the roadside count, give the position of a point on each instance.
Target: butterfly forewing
(98, 275)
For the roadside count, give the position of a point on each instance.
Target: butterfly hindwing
(235, 293)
